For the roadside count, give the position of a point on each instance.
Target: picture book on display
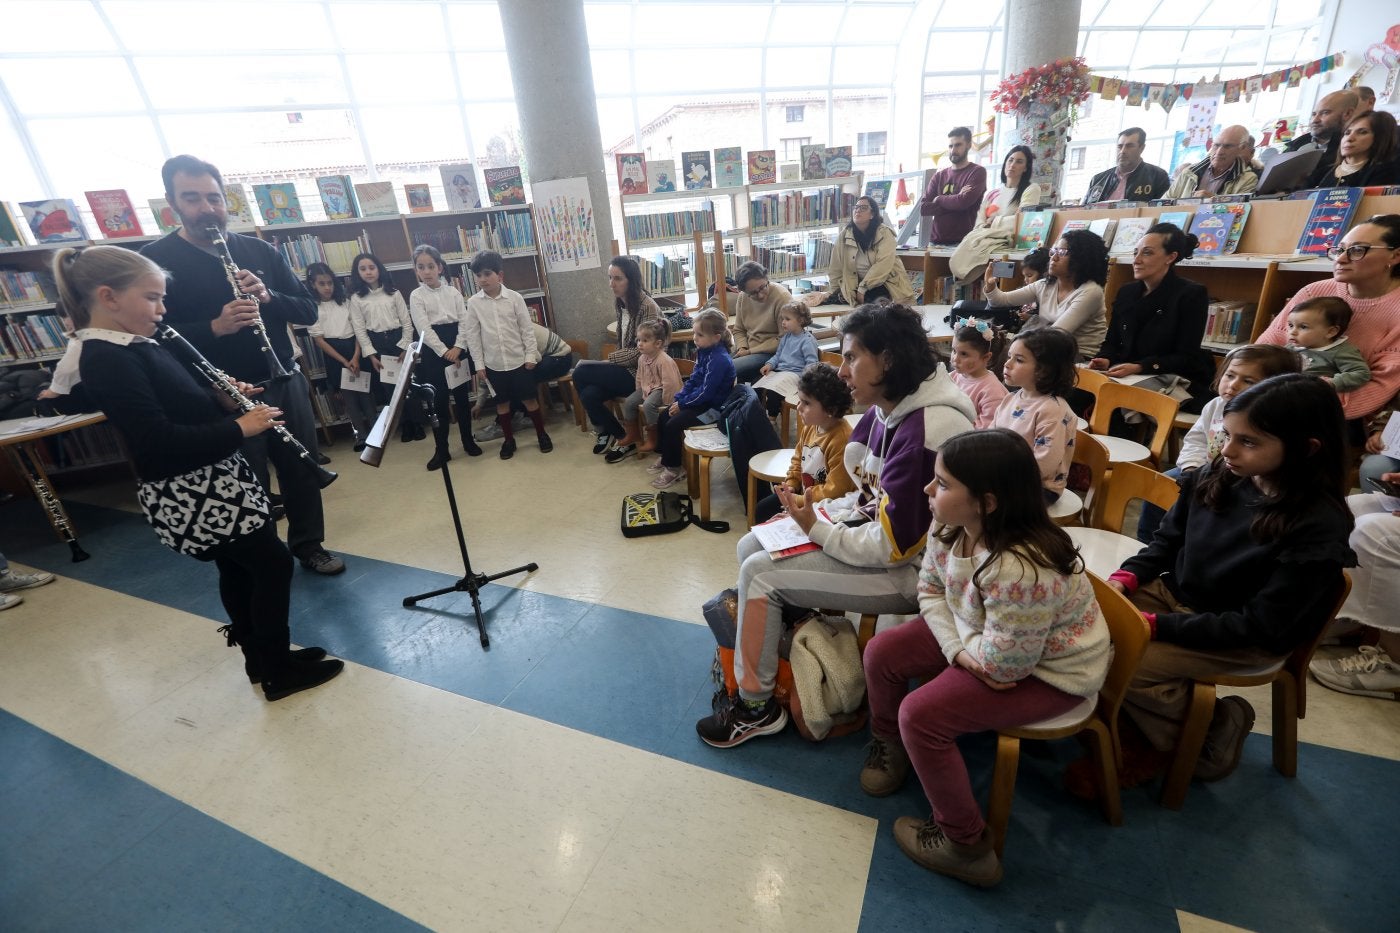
(377, 199)
(1181, 219)
(1332, 211)
(338, 197)
(420, 197)
(165, 216)
(695, 169)
(763, 166)
(459, 184)
(631, 173)
(505, 186)
(240, 209)
(879, 192)
(1130, 230)
(1035, 227)
(53, 221)
(1075, 224)
(1212, 229)
(813, 162)
(113, 212)
(789, 171)
(1104, 227)
(279, 203)
(661, 175)
(729, 167)
(10, 226)
(838, 161)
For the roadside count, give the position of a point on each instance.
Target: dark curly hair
(1038, 261)
(1088, 256)
(897, 332)
(1054, 351)
(822, 384)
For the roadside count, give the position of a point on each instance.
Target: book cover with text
(838, 161)
(53, 221)
(1130, 230)
(459, 184)
(279, 203)
(1035, 227)
(1331, 214)
(879, 192)
(661, 175)
(1179, 219)
(240, 209)
(338, 197)
(695, 169)
(763, 166)
(420, 197)
(505, 186)
(631, 173)
(813, 162)
(1211, 228)
(377, 199)
(729, 167)
(113, 213)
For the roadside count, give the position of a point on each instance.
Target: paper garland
(1141, 94)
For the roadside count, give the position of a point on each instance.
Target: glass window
(862, 65)
(808, 23)
(495, 131)
(797, 67)
(475, 25)
(963, 51)
(436, 133)
(612, 72)
(672, 24)
(242, 81)
(70, 85)
(485, 76)
(723, 69)
(794, 114)
(609, 25)
(404, 24)
(29, 25)
(262, 141)
(872, 143)
(791, 149)
(66, 148)
(1158, 48)
(161, 25)
(392, 77)
(21, 184)
(966, 14)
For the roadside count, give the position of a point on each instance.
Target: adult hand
(529, 366)
(250, 284)
(804, 513)
(453, 354)
(1124, 369)
(1375, 443)
(378, 366)
(260, 419)
(970, 664)
(965, 189)
(236, 315)
(1098, 362)
(989, 281)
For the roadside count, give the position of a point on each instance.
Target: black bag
(660, 513)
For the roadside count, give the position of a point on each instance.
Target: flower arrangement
(1059, 84)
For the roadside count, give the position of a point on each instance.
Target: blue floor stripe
(1258, 851)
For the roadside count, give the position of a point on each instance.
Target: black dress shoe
(294, 678)
(295, 656)
(439, 458)
(322, 458)
(508, 448)
(546, 445)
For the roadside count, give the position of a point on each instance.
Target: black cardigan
(1375, 173)
(1161, 331)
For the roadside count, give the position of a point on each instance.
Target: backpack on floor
(660, 513)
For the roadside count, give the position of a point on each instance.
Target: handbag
(660, 513)
(206, 507)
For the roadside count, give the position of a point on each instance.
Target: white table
(1103, 551)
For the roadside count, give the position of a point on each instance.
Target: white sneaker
(8, 601)
(14, 580)
(656, 466)
(1368, 673)
(667, 477)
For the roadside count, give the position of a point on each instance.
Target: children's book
(10, 226)
(420, 197)
(1331, 214)
(813, 162)
(1239, 211)
(505, 186)
(879, 192)
(338, 197)
(729, 167)
(1076, 224)
(1035, 227)
(695, 169)
(1180, 219)
(1212, 229)
(838, 161)
(459, 184)
(789, 171)
(763, 166)
(661, 175)
(1105, 227)
(114, 214)
(279, 203)
(377, 199)
(53, 221)
(631, 173)
(240, 209)
(1130, 230)
(165, 216)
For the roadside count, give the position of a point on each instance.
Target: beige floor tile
(1190, 923)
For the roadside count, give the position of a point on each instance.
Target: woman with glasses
(755, 325)
(996, 226)
(1071, 298)
(1366, 155)
(864, 267)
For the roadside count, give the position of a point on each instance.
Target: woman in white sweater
(1071, 298)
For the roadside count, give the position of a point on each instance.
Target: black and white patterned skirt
(204, 508)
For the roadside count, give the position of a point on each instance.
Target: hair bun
(1189, 241)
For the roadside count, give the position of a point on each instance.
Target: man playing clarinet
(220, 320)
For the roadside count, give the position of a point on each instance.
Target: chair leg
(1106, 760)
(866, 630)
(1188, 745)
(577, 404)
(705, 488)
(785, 423)
(1003, 789)
(1286, 705)
(751, 487)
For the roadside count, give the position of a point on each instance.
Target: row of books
(1229, 321)
(93, 446)
(638, 175)
(19, 288)
(508, 232)
(34, 336)
(302, 251)
(661, 275)
(945, 290)
(670, 224)
(829, 206)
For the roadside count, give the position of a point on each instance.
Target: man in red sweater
(955, 192)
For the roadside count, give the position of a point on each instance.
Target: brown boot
(648, 444)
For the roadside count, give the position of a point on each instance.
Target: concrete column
(547, 45)
(1037, 32)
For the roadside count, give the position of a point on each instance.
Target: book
(420, 197)
(763, 166)
(1105, 227)
(729, 167)
(1034, 228)
(813, 162)
(10, 226)
(459, 184)
(113, 213)
(695, 169)
(1212, 229)
(505, 186)
(1072, 225)
(1331, 214)
(838, 161)
(661, 175)
(376, 199)
(165, 216)
(240, 209)
(879, 192)
(1239, 211)
(338, 197)
(278, 203)
(1181, 219)
(54, 220)
(1130, 230)
(789, 171)
(631, 173)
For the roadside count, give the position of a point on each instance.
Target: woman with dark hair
(1071, 298)
(864, 266)
(756, 329)
(1366, 155)
(996, 228)
(871, 538)
(1158, 321)
(599, 380)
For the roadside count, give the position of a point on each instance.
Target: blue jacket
(709, 385)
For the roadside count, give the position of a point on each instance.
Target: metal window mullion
(353, 100)
(130, 60)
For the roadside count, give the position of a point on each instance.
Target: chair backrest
(1131, 481)
(829, 358)
(686, 367)
(1090, 452)
(1090, 380)
(580, 348)
(608, 350)
(1160, 408)
(1128, 631)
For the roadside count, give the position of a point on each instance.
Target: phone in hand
(1004, 270)
(1382, 487)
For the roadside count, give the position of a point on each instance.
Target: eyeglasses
(861, 208)
(756, 291)
(1225, 145)
(1356, 251)
(1057, 253)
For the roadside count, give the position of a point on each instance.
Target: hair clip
(982, 327)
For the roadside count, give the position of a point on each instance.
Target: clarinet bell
(79, 555)
(324, 477)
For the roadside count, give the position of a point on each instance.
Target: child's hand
(378, 366)
(674, 410)
(801, 512)
(453, 354)
(1118, 586)
(529, 366)
(765, 369)
(967, 662)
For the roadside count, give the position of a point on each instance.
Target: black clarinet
(275, 370)
(177, 344)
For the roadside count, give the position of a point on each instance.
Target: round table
(1103, 551)
(698, 474)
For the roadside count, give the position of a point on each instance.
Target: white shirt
(442, 305)
(380, 312)
(500, 334)
(332, 320)
(65, 374)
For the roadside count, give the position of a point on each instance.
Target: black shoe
(619, 454)
(602, 442)
(322, 458)
(735, 723)
(546, 445)
(439, 458)
(319, 560)
(295, 678)
(279, 512)
(508, 448)
(297, 656)
(470, 445)
(359, 446)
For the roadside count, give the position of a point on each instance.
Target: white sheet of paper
(706, 439)
(779, 533)
(1391, 436)
(390, 371)
(360, 383)
(457, 374)
(785, 384)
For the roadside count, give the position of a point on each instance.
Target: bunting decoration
(1138, 94)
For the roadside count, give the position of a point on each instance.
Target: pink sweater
(1375, 329)
(1048, 424)
(658, 372)
(986, 393)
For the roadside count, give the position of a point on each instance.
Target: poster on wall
(1200, 118)
(568, 237)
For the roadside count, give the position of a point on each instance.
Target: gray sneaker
(924, 842)
(14, 580)
(1368, 673)
(492, 432)
(8, 601)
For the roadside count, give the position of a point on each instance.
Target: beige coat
(885, 267)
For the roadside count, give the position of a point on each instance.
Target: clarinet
(276, 372)
(177, 344)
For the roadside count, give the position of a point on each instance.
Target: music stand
(409, 392)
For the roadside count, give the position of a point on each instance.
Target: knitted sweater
(795, 353)
(986, 392)
(658, 372)
(1023, 620)
(819, 465)
(1048, 424)
(756, 322)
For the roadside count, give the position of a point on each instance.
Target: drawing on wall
(568, 237)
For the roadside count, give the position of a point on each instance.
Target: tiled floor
(554, 781)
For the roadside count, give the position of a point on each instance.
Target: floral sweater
(1048, 424)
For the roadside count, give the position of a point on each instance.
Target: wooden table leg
(692, 469)
(752, 495)
(705, 488)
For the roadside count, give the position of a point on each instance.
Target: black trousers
(255, 586)
(432, 370)
(672, 431)
(306, 522)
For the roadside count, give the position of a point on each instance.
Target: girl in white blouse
(438, 312)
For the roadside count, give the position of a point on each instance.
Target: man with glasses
(1223, 171)
(954, 193)
(1131, 179)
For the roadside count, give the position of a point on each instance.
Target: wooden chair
(1067, 509)
(1160, 408)
(567, 393)
(1133, 481)
(1289, 677)
(1094, 457)
(1090, 380)
(785, 418)
(1096, 715)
